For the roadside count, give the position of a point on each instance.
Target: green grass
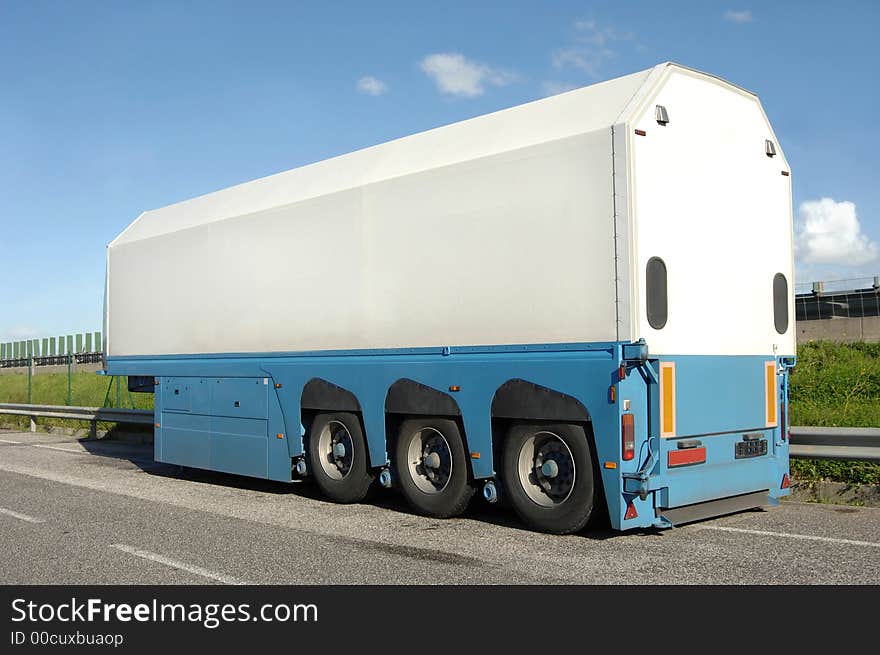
(836, 385)
(832, 385)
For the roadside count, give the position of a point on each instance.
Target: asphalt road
(105, 513)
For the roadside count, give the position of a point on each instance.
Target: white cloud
(371, 86)
(591, 47)
(552, 87)
(456, 75)
(738, 17)
(828, 232)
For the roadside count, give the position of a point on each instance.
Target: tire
(441, 487)
(344, 477)
(556, 498)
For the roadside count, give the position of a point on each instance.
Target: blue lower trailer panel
(183, 439)
(242, 413)
(230, 445)
(220, 424)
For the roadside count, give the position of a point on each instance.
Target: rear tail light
(628, 436)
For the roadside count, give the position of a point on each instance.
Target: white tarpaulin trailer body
(531, 225)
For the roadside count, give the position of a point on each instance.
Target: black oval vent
(780, 303)
(655, 282)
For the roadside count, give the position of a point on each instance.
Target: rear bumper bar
(699, 511)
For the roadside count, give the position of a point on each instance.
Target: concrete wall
(844, 330)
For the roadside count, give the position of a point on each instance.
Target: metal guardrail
(91, 414)
(835, 443)
(806, 442)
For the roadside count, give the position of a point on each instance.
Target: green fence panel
(59, 346)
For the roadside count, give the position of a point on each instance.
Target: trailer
(581, 304)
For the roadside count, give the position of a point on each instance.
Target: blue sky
(111, 108)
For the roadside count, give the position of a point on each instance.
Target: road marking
(21, 517)
(10, 441)
(175, 564)
(72, 451)
(790, 535)
(63, 450)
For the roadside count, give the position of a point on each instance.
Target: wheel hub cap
(550, 469)
(546, 469)
(336, 448)
(430, 460)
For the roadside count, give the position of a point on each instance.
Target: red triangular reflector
(786, 483)
(631, 512)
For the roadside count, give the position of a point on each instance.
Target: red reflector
(641, 132)
(631, 512)
(685, 456)
(628, 436)
(786, 483)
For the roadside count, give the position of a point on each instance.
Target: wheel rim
(547, 470)
(335, 450)
(429, 459)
